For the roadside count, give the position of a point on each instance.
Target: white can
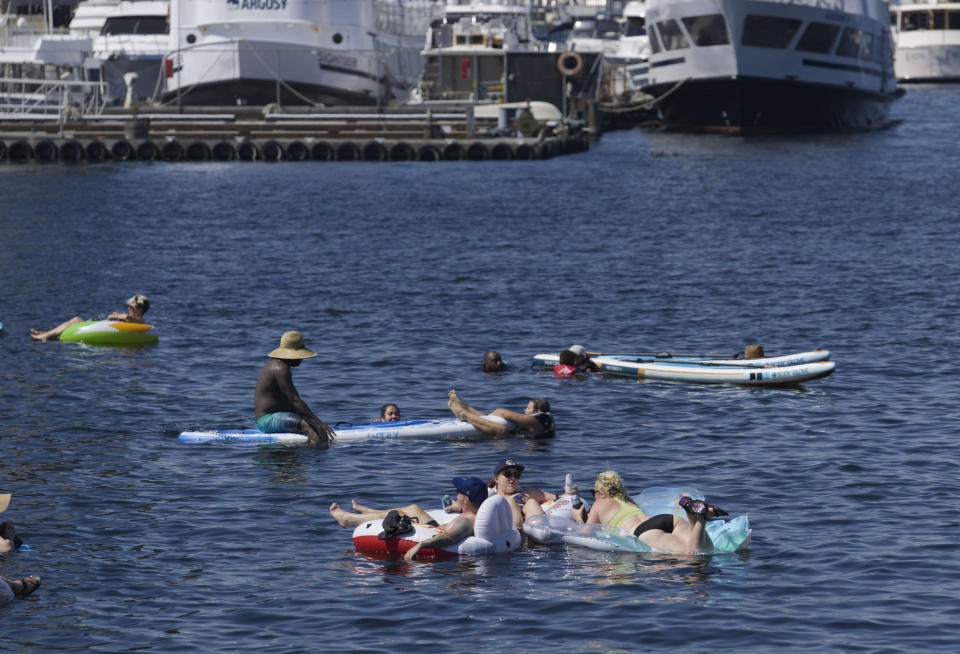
(568, 484)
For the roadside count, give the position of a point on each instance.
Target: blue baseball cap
(506, 463)
(472, 487)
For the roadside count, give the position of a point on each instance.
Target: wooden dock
(334, 135)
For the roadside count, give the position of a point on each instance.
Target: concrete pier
(421, 135)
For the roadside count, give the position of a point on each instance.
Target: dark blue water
(400, 276)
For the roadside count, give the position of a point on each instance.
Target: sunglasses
(511, 474)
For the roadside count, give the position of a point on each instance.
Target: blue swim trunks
(281, 422)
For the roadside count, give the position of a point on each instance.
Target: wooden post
(592, 123)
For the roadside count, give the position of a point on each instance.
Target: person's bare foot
(457, 410)
(38, 335)
(359, 508)
(456, 404)
(339, 515)
(25, 586)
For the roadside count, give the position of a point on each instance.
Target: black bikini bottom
(663, 522)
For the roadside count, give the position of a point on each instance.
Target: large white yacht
(756, 65)
(928, 41)
(295, 51)
(129, 36)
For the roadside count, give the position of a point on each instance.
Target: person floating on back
(534, 421)
(136, 307)
(279, 408)
(471, 493)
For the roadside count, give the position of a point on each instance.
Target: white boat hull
(737, 77)
(329, 53)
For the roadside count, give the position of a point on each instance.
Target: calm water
(401, 276)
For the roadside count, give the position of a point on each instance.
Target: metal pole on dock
(277, 53)
(178, 60)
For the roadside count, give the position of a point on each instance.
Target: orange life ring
(570, 64)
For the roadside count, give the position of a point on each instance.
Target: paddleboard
(346, 433)
(713, 372)
(550, 360)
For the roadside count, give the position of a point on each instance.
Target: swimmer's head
(538, 405)
(389, 412)
(492, 361)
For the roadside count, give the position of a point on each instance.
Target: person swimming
(389, 413)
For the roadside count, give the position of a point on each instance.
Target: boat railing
(33, 97)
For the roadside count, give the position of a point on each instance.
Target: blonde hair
(610, 484)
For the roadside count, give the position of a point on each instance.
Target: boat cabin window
(707, 30)
(654, 40)
(819, 38)
(671, 35)
(135, 25)
(769, 31)
(849, 45)
(915, 20)
(636, 26)
(953, 20)
(867, 41)
(599, 28)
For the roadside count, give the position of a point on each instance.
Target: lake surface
(401, 276)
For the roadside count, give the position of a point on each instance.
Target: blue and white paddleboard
(376, 431)
(550, 360)
(738, 371)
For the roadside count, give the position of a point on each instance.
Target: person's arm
(539, 494)
(521, 420)
(454, 532)
(593, 518)
(285, 386)
(116, 315)
(516, 508)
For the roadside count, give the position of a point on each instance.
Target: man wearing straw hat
(9, 540)
(277, 402)
(11, 588)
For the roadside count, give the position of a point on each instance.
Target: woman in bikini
(664, 532)
(534, 421)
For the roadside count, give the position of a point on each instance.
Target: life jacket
(563, 370)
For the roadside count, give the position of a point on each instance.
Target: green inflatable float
(110, 332)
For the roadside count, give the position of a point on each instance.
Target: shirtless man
(279, 408)
(136, 307)
(9, 540)
(471, 492)
(492, 362)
